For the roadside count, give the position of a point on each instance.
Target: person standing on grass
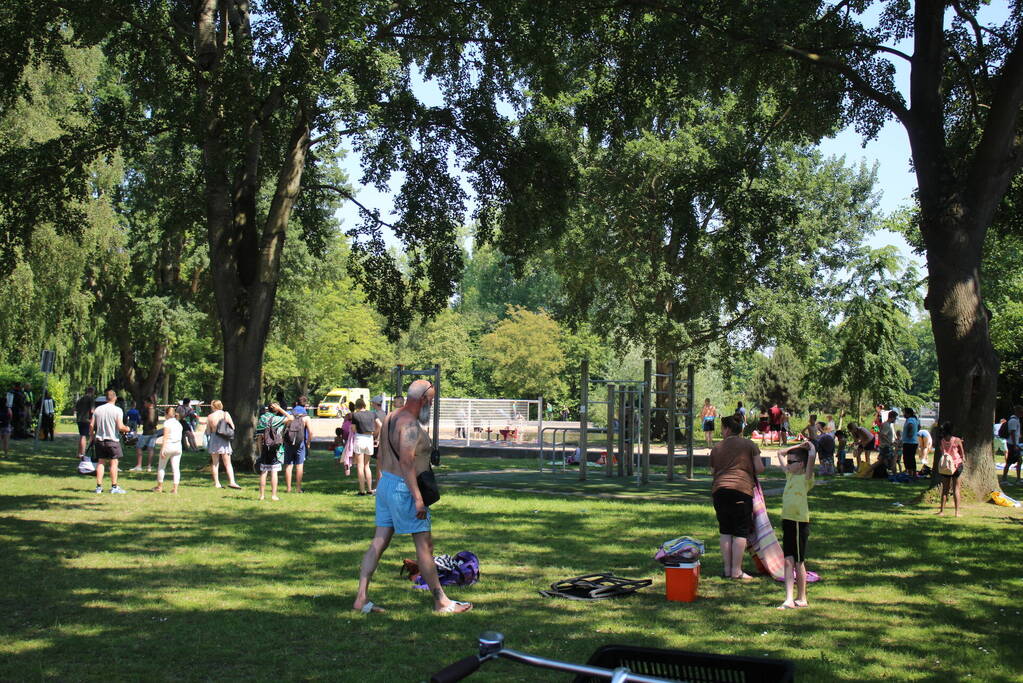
(83, 416)
(797, 462)
(297, 440)
(404, 454)
(1013, 443)
(707, 415)
(271, 457)
(952, 446)
(812, 430)
(735, 463)
(106, 426)
(170, 451)
(6, 422)
(886, 441)
(367, 432)
(909, 441)
(825, 444)
(218, 446)
(147, 439)
(186, 416)
(49, 410)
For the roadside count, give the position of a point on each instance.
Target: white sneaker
(116, 489)
(136, 469)
(99, 489)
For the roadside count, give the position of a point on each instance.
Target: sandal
(371, 608)
(455, 607)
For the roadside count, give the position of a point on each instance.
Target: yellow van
(335, 403)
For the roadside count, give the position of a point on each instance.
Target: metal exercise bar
(672, 420)
(647, 370)
(610, 457)
(584, 389)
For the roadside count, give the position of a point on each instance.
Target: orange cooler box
(681, 581)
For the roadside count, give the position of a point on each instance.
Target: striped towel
(764, 544)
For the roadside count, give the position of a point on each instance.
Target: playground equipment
(399, 374)
(632, 398)
(490, 419)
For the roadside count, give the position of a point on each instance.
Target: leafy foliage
(525, 355)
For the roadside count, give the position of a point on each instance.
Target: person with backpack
(270, 437)
(296, 444)
(367, 433)
(402, 505)
(1013, 444)
(219, 432)
(950, 465)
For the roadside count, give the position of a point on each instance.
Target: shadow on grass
(216, 585)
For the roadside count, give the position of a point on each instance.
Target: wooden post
(672, 420)
(584, 390)
(645, 427)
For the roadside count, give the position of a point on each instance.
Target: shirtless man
(404, 454)
(864, 441)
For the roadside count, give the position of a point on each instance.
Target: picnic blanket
(763, 543)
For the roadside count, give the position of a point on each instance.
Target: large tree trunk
(967, 364)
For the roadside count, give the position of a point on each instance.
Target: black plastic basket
(694, 667)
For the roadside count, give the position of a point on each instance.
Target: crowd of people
(20, 410)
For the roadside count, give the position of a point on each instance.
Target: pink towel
(349, 450)
(764, 544)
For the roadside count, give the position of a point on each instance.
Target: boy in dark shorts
(798, 462)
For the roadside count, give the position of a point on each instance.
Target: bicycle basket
(692, 667)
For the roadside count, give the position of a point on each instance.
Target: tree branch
(998, 155)
(363, 209)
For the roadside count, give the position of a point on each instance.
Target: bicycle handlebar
(457, 671)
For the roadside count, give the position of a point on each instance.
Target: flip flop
(744, 578)
(371, 608)
(454, 608)
(784, 606)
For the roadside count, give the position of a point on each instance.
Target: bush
(29, 372)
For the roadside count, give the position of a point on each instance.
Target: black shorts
(954, 475)
(794, 538)
(734, 511)
(108, 450)
(1011, 454)
(83, 429)
(708, 424)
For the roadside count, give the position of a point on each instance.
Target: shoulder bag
(224, 428)
(426, 481)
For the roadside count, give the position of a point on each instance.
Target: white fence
(490, 419)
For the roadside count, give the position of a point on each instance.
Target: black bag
(224, 429)
(1003, 430)
(426, 481)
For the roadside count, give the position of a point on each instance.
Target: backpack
(461, 570)
(269, 444)
(294, 436)
(1003, 430)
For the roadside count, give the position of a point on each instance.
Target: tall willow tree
(261, 91)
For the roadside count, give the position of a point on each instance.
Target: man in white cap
(404, 454)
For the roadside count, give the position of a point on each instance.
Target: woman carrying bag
(219, 432)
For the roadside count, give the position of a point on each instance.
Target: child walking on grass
(798, 463)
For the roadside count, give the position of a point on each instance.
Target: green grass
(213, 584)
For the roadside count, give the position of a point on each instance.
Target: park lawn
(212, 584)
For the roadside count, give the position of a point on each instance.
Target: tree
(963, 125)
(451, 339)
(778, 379)
(526, 356)
(264, 93)
(869, 341)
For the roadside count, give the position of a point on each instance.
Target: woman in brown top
(735, 462)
